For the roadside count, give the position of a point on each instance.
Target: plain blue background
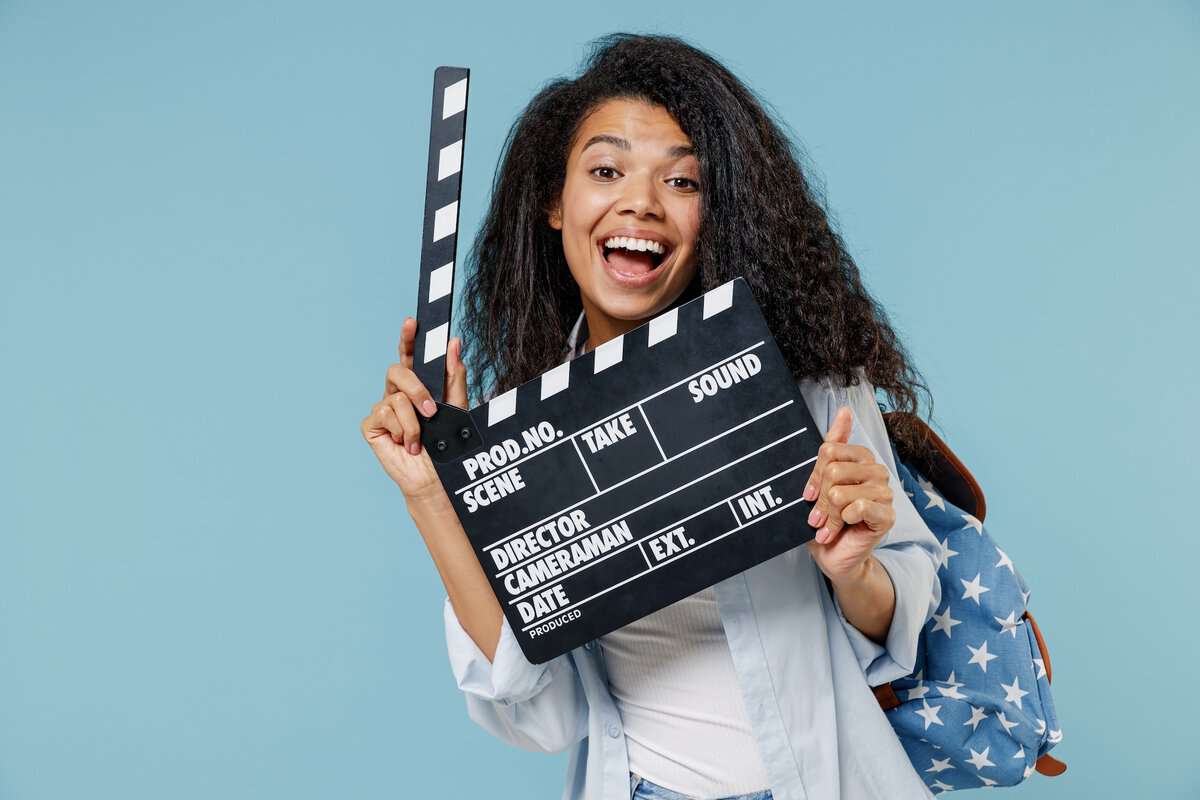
(209, 231)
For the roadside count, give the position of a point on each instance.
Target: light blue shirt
(805, 672)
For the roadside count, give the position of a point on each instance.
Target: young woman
(654, 176)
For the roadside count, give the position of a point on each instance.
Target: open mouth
(631, 261)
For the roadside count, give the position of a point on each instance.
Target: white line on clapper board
(651, 468)
(551, 446)
(564, 575)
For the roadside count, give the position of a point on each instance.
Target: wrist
(856, 578)
(432, 501)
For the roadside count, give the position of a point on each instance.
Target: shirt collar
(578, 337)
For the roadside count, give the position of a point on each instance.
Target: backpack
(977, 711)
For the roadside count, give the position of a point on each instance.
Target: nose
(640, 197)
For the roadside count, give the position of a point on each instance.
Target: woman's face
(631, 175)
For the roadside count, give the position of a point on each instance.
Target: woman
(652, 177)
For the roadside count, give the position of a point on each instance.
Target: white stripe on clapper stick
(555, 380)
(435, 342)
(449, 160)
(445, 220)
(663, 326)
(502, 406)
(441, 281)
(718, 299)
(454, 99)
(608, 354)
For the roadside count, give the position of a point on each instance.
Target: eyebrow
(675, 151)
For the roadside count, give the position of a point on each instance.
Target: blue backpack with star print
(977, 710)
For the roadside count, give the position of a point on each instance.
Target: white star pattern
(947, 553)
(1009, 624)
(934, 498)
(942, 748)
(972, 523)
(980, 760)
(929, 714)
(938, 766)
(952, 692)
(1013, 691)
(973, 588)
(977, 716)
(918, 691)
(945, 622)
(981, 656)
(1005, 561)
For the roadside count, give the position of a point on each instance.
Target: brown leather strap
(941, 467)
(1037, 634)
(886, 696)
(1049, 765)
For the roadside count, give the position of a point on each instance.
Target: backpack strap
(943, 469)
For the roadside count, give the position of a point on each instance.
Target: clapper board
(625, 479)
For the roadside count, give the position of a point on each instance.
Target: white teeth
(630, 243)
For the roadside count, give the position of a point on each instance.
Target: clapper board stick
(628, 478)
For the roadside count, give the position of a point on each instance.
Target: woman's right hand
(392, 429)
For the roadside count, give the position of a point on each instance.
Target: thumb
(839, 429)
(456, 375)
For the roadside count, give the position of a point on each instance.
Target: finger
(456, 374)
(844, 496)
(839, 429)
(402, 379)
(408, 337)
(838, 473)
(839, 432)
(382, 421)
(408, 421)
(878, 514)
(829, 453)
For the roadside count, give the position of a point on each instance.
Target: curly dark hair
(760, 218)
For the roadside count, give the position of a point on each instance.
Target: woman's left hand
(853, 509)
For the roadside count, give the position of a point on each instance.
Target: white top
(673, 680)
(672, 677)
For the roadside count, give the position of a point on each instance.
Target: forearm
(868, 600)
(466, 584)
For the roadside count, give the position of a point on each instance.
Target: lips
(633, 268)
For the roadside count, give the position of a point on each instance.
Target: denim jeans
(642, 789)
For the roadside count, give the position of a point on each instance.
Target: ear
(554, 216)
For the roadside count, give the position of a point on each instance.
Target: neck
(602, 328)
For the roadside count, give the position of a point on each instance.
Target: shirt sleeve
(539, 707)
(909, 552)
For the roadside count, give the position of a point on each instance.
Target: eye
(688, 184)
(594, 170)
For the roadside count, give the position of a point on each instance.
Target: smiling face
(629, 215)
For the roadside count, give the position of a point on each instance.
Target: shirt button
(587, 646)
(613, 729)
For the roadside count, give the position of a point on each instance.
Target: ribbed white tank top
(673, 681)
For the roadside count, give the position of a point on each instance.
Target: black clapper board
(626, 479)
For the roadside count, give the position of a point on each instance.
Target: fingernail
(414, 448)
(823, 535)
(429, 408)
(810, 494)
(813, 518)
